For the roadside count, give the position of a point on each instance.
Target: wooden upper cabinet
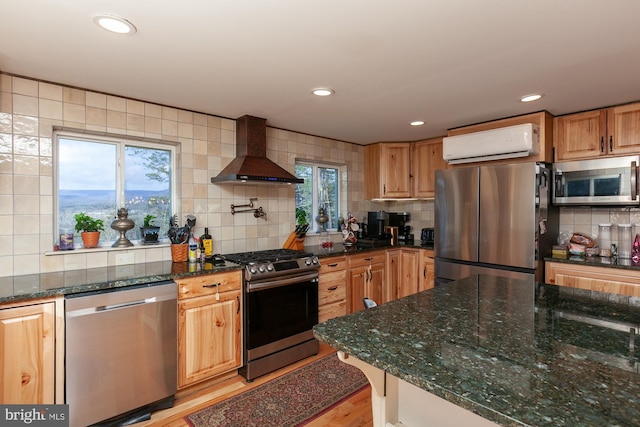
(613, 131)
(426, 159)
(388, 170)
(623, 127)
(401, 170)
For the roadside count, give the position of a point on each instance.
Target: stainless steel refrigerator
(494, 220)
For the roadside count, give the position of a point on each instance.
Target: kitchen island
(496, 350)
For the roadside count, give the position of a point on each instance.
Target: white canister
(604, 239)
(624, 241)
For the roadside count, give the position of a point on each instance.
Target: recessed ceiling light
(323, 91)
(531, 97)
(115, 24)
(417, 123)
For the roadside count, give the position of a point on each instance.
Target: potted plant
(89, 229)
(148, 231)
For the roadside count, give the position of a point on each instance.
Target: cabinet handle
(611, 143)
(369, 259)
(602, 144)
(238, 299)
(332, 265)
(384, 188)
(424, 272)
(214, 285)
(333, 288)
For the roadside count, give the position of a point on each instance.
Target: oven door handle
(281, 281)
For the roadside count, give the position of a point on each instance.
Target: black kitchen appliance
(427, 237)
(280, 308)
(376, 222)
(400, 219)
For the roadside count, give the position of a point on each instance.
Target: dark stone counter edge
(108, 284)
(422, 383)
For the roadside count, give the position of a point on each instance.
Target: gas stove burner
(265, 256)
(273, 263)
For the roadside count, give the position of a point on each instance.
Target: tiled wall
(29, 110)
(585, 220)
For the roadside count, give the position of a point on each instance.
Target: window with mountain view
(321, 189)
(98, 175)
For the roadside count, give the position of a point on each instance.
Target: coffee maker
(400, 219)
(376, 222)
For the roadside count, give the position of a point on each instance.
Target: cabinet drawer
(332, 310)
(332, 287)
(601, 279)
(328, 265)
(376, 257)
(209, 284)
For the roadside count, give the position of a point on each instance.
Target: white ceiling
(447, 62)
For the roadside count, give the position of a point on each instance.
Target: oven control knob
(308, 261)
(252, 270)
(270, 267)
(261, 269)
(314, 260)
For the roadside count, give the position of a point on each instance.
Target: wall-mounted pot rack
(257, 212)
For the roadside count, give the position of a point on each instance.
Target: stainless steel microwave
(607, 181)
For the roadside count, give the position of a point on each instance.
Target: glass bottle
(206, 241)
(635, 251)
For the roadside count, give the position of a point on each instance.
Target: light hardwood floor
(354, 412)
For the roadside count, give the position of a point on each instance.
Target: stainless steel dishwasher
(121, 353)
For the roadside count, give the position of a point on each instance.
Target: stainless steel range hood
(251, 164)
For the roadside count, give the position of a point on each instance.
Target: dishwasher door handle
(125, 304)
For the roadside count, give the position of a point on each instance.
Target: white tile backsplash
(29, 110)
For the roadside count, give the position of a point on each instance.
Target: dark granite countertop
(596, 261)
(514, 352)
(339, 249)
(33, 286)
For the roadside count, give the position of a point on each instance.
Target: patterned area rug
(290, 400)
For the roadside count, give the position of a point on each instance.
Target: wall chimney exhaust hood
(251, 164)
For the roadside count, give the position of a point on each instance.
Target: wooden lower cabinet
(367, 278)
(403, 269)
(332, 288)
(426, 278)
(591, 278)
(209, 326)
(31, 353)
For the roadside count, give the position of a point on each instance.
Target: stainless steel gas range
(280, 308)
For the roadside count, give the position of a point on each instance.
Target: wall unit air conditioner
(503, 143)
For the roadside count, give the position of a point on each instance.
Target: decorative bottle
(635, 252)
(206, 241)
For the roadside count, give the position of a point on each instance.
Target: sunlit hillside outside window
(98, 176)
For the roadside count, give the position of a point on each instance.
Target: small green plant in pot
(89, 229)
(148, 231)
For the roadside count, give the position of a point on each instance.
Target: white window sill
(106, 247)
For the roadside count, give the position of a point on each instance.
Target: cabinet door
(393, 274)
(426, 159)
(427, 275)
(209, 332)
(409, 266)
(27, 354)
(623, 128)
(396, 170)
(375, 286)
(581, 135)
(358, 278)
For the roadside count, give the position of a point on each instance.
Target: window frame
(121, 142)
(341, 190)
